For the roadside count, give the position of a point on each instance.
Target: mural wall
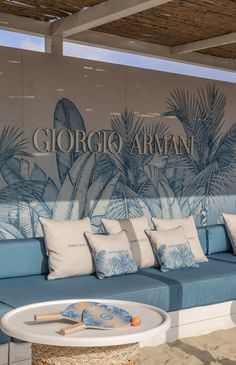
(43, 91)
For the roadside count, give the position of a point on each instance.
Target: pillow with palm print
(112, 254)
(190, 230)
(176, 257)
(172, 249)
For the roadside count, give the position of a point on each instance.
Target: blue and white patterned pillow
(112, 254)
(175, 257)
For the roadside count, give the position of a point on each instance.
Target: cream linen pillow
(67, 248)
(139, 243)
(230, 223)
(172, 249)
(190, 231)
(112, 254)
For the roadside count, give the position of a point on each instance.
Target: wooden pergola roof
(201, 32)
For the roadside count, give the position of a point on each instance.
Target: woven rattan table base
(112, 355)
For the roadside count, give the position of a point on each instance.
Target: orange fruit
(136, 321)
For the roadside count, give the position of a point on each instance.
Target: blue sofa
(23, 271)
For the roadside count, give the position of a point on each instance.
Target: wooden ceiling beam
(103, 13)
(204, 44)
(23, 24)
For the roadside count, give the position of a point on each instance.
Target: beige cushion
(230, 223)
(168, 237)
(190, 231)
(67, 248)
(172, 249)
(112, 254)
(135, 229)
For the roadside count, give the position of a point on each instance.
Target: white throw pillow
(112, 254)
(230, 223)
(68, 251)
(139, 243)
(190, 231)
(172, 249)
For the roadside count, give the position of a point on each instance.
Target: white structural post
(54, 45)
(205, 44)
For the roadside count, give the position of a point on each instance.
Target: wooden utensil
(73, 313)
(100, 316)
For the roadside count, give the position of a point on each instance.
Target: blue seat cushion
(22, 257)
(4, 308)
(212, 282)
(218, 240)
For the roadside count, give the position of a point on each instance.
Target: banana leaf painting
(123, 185)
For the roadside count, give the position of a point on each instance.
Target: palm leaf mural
(129, 196)
(123, 185)
(8, 231)
(71, 199)
(158, 194)
(124, 203)
(210, 171)
(12, 143)
(67, 116)
(30, 193)
(100, 207)
(95, 191)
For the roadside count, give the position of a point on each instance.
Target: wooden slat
(177, 22)
(45, 9)
(228, 51)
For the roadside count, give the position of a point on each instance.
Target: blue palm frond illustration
(25, 191)
(123, 185)
(209, 172)
(12, 144)
(133, 191)
(71, 200)
(113, 263)
(67, 116)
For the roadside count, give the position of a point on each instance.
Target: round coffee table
(120, 346)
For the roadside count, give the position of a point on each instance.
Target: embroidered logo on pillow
(175, 257)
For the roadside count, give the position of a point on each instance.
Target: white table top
(19, 323)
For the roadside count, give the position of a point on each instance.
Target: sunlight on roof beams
(19, 3)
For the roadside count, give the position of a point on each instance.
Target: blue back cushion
(202, 234)
(22, 257)
(218, 240)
